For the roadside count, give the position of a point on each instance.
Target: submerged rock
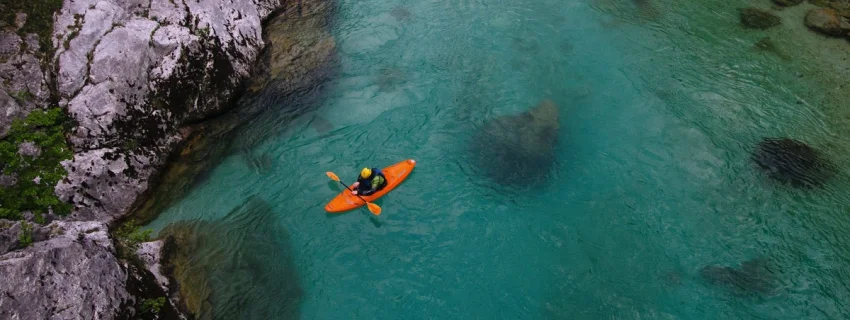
(767, 45)
(519, 149)
(758, 19)
(754, 277)
(240, 267)
(827, 21)
(400, 14)
(300, 49)
(787, 3)
(792, 161)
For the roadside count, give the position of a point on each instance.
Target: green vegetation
(154, 305)
(39, 17)
(129, 236)
(22, 95)
(36, 176)
(25, 238)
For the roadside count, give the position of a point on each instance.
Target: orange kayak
(395, 174)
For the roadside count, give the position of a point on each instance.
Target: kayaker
(370, 181)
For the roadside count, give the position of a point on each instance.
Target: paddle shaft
(349, 189)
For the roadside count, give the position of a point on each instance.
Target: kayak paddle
(374, 208)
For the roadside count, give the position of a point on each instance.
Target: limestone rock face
(72, 275)
(23, 82)
(131, 74)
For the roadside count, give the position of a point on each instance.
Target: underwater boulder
(828, 21)
(753, 277)
(519, 149)
(238, 267)
(758, 19)
(787, 3)
(791, 161)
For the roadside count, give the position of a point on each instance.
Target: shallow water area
(660, 105)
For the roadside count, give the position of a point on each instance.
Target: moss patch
(39, 17)
(36, 175)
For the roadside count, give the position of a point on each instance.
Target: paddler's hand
(354, 192)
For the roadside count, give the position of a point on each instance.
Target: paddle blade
(374, 208)
(332, 176)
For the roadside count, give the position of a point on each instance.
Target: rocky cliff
(132, 76)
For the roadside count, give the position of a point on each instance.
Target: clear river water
(661, 104)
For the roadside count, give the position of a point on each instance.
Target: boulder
(793, 162)
(72, 275)
(787, 3)
(518, 150)
(753, 277)
(224, 268)
(754, 18)
(827, 21)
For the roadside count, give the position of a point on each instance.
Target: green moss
(39, 17)
(153, 305)
(44, 128)
(22, 95)
(25, 238)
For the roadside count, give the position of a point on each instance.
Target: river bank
(134, 80)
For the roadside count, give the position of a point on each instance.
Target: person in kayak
(369, 182)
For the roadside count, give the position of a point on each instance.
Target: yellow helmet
(365, 173)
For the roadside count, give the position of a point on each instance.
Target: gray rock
(72, 275)
(7, 180)
(827, 21)
(151, 255)
(28, 148)
(101, 183)
(10, 45)
(23, 85)
(20, 20)
(9, 111)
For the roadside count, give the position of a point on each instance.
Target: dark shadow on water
(239, 267)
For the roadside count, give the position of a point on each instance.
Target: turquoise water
(660, 105)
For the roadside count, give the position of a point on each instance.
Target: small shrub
(25, 238)
(153, 305)
(129, 236)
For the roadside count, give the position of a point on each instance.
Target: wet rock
(519, 149)
(794, 162)
(71, 275)
(229, 268)
(753, 277)
(758, 19)
(827, 21)
(787, 3)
